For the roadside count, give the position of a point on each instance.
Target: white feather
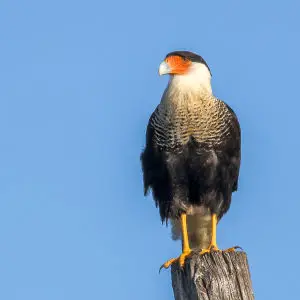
(197, 79)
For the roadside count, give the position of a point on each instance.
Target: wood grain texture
(213, 276)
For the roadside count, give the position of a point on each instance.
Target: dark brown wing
(232, 147)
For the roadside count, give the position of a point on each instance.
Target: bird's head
(187, 70)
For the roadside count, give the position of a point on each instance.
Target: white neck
(197, 80)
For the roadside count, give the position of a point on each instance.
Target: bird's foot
(213, 247)
(180, 260)
(232, 249)
(210, 248)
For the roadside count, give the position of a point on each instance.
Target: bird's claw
(232, 249)
(212, 248)
(181, 260)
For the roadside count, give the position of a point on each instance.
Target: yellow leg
(213, 244)
(186, 250)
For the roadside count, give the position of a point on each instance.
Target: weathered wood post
(213, 276)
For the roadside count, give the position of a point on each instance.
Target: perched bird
(191, 159)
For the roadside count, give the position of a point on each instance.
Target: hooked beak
(164, 68)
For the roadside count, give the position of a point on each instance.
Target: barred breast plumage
(203, 117)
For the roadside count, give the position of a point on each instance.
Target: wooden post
(213, 276)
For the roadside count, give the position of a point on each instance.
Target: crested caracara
(192, 156)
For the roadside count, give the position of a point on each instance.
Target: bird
(192, 155)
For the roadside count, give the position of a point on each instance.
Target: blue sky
(78, 84)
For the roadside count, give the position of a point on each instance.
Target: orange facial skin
(178, 65)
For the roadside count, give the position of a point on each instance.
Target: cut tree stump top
(213, 276)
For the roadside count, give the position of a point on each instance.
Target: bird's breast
(175, 124)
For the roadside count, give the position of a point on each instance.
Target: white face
(197, 78)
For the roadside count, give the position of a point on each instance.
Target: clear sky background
(78, 82)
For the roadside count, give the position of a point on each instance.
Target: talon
(232, 249)
(210, 248)
(167, 264)
(215, 248)
(229, 250)
(186, 250)
(181, 260)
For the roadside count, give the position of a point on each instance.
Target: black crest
(189, 56)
